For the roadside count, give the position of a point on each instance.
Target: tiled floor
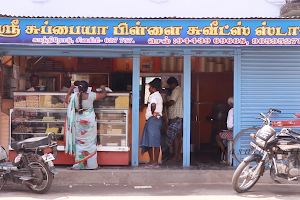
(208, 158)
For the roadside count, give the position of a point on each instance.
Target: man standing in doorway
(175, 113)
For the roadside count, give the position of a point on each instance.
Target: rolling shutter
(264, 79)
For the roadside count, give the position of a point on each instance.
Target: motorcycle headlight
(260, 142)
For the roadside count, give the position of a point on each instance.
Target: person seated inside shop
(66, 84)
(226, 134)
(34, 81)
(65, 88)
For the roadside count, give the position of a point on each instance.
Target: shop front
(256, 61)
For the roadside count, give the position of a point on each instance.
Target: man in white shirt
(226, 135)
(66, 84)
(65, 88)
(34, 81)
(151, 134)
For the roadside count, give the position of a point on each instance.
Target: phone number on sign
(208, 41)
(276, 41)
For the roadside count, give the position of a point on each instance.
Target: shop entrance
(212, 85)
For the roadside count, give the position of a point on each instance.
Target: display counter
(37, 113)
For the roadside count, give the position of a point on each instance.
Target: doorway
(212, 85)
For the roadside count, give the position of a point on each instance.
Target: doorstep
(139, 175)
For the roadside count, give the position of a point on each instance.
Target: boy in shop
(152, 131)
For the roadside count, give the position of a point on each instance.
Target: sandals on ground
(147, 166)
(72, 168)
(95, 168)
(224, 162)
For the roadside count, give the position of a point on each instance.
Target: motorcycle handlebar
(266, 118)
(262, 114)
(295, 132)
(52, 136)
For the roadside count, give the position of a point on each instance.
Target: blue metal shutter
(264, 79)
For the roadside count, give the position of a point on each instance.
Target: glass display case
(112, 127)
(37, 113)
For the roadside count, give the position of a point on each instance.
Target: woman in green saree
(80, 128)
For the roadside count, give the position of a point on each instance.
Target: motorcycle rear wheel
(241, 180)
(43, 178)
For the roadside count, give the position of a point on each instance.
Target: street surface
(157, 192)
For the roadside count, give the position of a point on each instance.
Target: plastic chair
(228, 148)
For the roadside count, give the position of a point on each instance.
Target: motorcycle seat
(30, 143)
(16, 145)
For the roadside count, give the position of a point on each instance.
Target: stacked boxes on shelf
(95, 64)
(49, 65)
(58, 66)
(45, 65)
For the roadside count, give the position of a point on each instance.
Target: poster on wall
(16, 72)
(81, 77)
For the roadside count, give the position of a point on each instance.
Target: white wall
(142, 8)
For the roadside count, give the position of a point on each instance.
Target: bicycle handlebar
(275, 110)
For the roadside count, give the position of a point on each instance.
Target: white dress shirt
(31, 89)
(157, 99)
(64, 89)
(230, 119)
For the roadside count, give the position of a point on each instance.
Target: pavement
(155, 191)
(205, 169)
(142, 176)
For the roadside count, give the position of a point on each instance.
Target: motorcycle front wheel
(242, 179)
(42, 177)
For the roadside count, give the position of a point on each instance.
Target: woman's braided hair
(82, 87)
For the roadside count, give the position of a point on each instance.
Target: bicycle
(266, 121)
(238, 155)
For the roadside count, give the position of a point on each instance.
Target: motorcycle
(278, 152)
(32, 167)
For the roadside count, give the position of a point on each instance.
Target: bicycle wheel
(237, 152)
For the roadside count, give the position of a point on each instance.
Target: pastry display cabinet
(37, 113)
